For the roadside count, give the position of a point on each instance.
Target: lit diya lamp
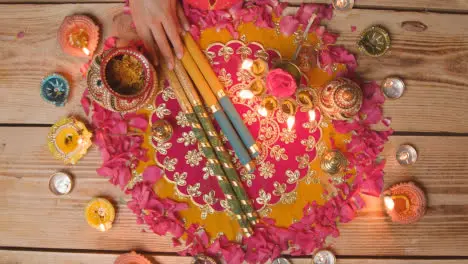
(78, 35)
(289, 107)
(100, 214)
(122, 80)
(69, 140)
(340, 99)
(405, 203)
(131, 258)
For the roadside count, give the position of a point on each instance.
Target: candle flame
(291, 120)
(86, 51)
(247, 64)
(246, 94)
(102, 227)
(312, 115)
(389, 203)
(263, 111)
(80, 140)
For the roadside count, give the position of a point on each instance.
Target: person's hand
(158, 22)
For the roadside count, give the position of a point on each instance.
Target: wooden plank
(433, 63)
(30, 216)
(424, 5)
(25, 61)
(435, 5)
(20, 257)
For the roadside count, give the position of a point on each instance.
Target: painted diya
(55, 89)
(405, 203)
(78, 35)
(69, 140)
(100, 214)
(121, 80)
(131, 258)
(340, 99)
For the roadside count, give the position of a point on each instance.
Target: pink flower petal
(152, 174)
(288, 25)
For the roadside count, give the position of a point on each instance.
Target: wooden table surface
(38, 227)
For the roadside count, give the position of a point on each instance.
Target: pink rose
(280, 83)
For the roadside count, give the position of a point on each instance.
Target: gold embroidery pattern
(293, 176)
(249, 117)
(267, 169)
(288, 136)
(187, 139)
(180, 178)
(226, 52)
(167, 94)
(243, 76)
(309, 143)
(207, 171)
(225, 78)
(262, 54)
(244, 51)
(247, 177)
(303, 161)
(162, 111)
(194, 190)
(278, 153)
(163, 147)
(280, 189)
(193, 157)
(210, 55)
(182, 120)
(169, 164)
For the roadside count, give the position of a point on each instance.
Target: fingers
(173, 13)
(174, 37)
(143, 30)
(161, 40)
(183, 20)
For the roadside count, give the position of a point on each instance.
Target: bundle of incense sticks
(215, 140)
(202, 126)
(217, 88)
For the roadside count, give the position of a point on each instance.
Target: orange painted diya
(78, 36)
(121, 80)
(405, 203)
(131, 258)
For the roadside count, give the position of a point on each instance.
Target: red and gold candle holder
(405, 203)
(78, 36)
(340, 99)
(122, 80)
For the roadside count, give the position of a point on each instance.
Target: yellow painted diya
(78, 35)
(69, 140)
(122, 80)
(100, 214)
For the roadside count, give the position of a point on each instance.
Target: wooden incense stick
(208, 151)
(215, 140)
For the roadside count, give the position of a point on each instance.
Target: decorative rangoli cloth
(299, 204)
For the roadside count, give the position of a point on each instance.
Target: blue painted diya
(55, 89)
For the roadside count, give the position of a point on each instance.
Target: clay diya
(131, 258)
(340, 99)
(78, 35)
(405, 203)
(55, 89)
(69, 140)
(100, 214)
(122, 80)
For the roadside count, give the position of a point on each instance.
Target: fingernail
(180, 55)
(170, 66)
(186, 27)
